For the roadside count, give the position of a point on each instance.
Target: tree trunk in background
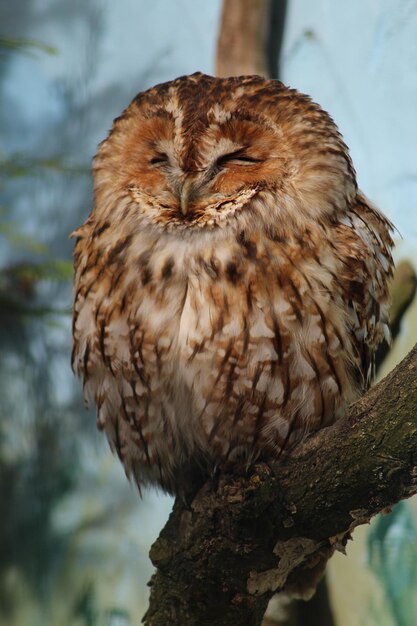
(250, 39)
(275, 36)
(241, 43)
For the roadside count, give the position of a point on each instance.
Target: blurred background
(74, 535)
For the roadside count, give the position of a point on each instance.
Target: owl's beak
(187, 191)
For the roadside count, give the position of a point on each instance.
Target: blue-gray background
(74, 535)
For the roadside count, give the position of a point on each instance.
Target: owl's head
(204, 152)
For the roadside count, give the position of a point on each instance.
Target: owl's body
(231, 281)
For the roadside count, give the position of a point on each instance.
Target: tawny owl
(231, 280)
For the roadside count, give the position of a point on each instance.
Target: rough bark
(246, 537)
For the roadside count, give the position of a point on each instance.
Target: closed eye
(238, 157)
(159, 159)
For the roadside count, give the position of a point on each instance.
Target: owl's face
(201, 152)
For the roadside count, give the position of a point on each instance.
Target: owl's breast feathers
(236, 347)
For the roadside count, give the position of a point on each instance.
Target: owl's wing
(363, 243)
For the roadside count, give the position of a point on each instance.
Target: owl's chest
(244, 333)
(248, 317)
(190, 322)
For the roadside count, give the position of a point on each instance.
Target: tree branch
(249, 536)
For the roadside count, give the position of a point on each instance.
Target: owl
(230, 281)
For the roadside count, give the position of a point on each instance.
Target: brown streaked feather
(231, 282)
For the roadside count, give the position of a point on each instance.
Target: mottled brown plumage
(231, 280)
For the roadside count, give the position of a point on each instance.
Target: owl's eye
(238, 157)
(159, 159)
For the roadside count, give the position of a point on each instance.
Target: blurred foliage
(18, 285)
(392, 556)
(37, 458)
(54, 541)
(19, 165)
(27, 46)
